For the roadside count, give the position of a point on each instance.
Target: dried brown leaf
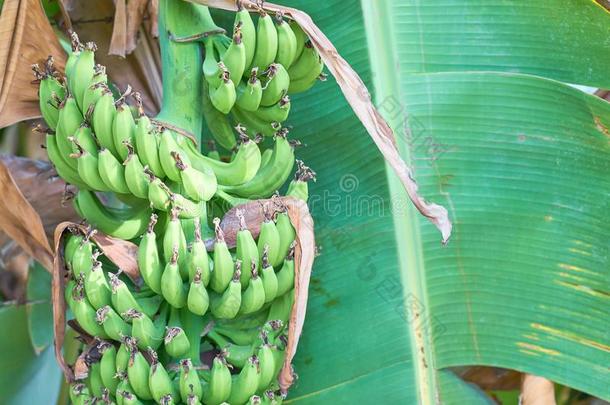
(21, 222)
(359, 99)
(135, 14)
(26, 37)
(118, 43)
(537, 391)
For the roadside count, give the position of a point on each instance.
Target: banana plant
(481, 101)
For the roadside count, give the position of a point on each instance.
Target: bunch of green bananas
(250, 75)
(209, 322)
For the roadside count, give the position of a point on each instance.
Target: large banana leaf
(520, 161)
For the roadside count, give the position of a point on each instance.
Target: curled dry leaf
(135, 14)
(118, 43)
(26, 37)
(537, 391)
(358, 97)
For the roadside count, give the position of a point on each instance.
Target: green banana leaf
(520, 159)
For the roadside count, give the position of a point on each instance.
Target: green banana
(138, 371)
(123, 129)
(217, 122)
(301, 38)
(95, 380)
(79, 394)
(50, 93)
(245, 384)
(71, 243)
(77, 47)
(147, 145)
(211, 68)
(149, 262)
(253, 297)
(250, 93)
(246, 249)
(135, 178)
(238, 336)
(270, 283)
(287, 234)
(65, 171)
(242, 168)
(253, 125)
(128, 398)
(285, 277)
(267, 364)
(198, 259)
(275, 85)
(281, 308)
(87, 167)
(219, 387)
(248, 31)
(122, 299)
(172, 288)
(83, 258)
(224, 268)
(167, 145)
(85, 313)
(126, 225)
(198, 185)
(269, 238)
(226, 305)
(298, 187)
(82, 73)
(122, 356)
(275, 113)
(266, 42)
(189, 381)
(70, 119)
(147, 334)
(286, 42)
(234, 57)
(158, 192)
(108, 365)
(96, 286)
(112, 172)
(112, 323)
(102, 119)
(271, 177)
(176, 342)
(85, 139)
(174, 241)
(198, 300)
(307, 68)
(95, 89)
(224, 95)
(159, 381)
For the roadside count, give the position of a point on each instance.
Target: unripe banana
(287, 235)
(276, 113)
(149, 262)
(87, 166)
(189, 381)
(96, 385)
(176, 342)
(286, 42)
(253, 298)
(146, 333)
(95, 89)
(223, 262)
(135, 178)
(158, 193)
(82, 73)
(82, 258)
(138, 370)
(96, 286)
(112, 172)
(79, 394)
(248, 31)
(298, 187)
(159, 381)
(267, 364)
(270, 283)
(167, 145)
(211, 70)
(224, 95)
(198, 185)
(147, 145)
(128, 225)
(122, 299)
(226, 305)
(123, 389)
(122, 357)
(250, 93)
(235, 56)
(85, 138)
(198, 259)
(253, 125)
(65, 171)
(271, 177)
(304, 72)
(71, 244)
(246, 382)
(108, 365)
(174, 237)
(217, 122)
(198, 300)
(85, 313)
(50, 94)
(269, 237)
(255, 400)
(128, 398)
(113, 325)
(266, 42)
(246, 249)
(70, 119)
(275, 85)
(282, 307)
(301, 38)
(285, 277)
(102, 119)
(219, 387)
(172, 288)
(123, 129)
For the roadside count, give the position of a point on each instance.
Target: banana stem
(181, 63)
(193, 326)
